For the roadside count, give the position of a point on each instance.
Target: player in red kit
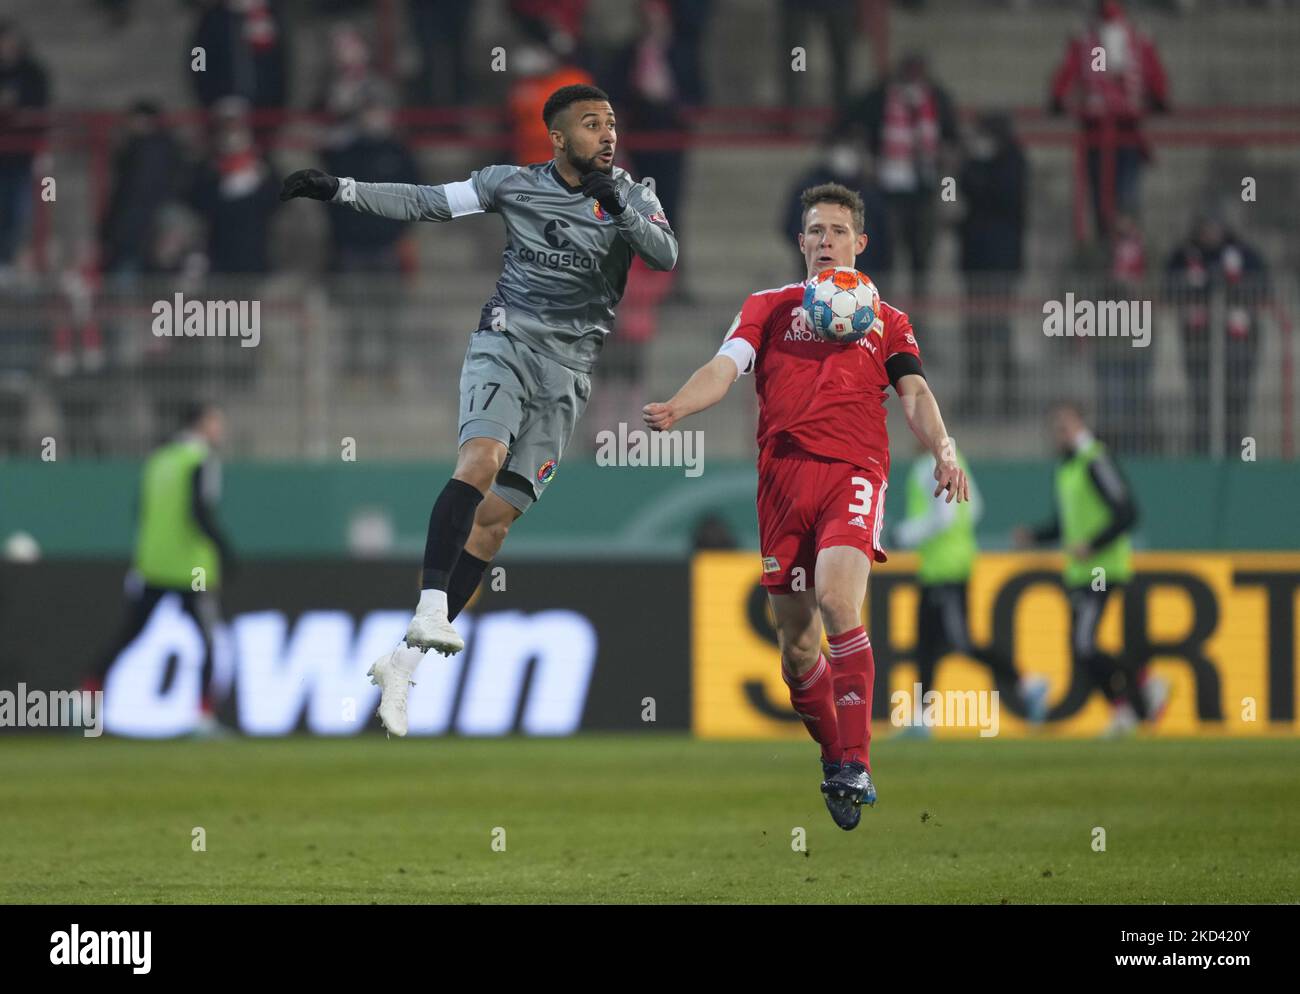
(823, 467)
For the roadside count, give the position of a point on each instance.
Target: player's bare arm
(707, 385)
(923, 417)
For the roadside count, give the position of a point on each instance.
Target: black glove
(602, 188)
(309, 183)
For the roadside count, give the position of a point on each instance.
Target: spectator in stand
(844, 161)
(538, 72)
(837, 20)
(145, 230)
(645, 93)
(690, 22)
(442, 31)
(177, 249)
(173, 262)
(1125, 412)
(236, 194)
(371, 253)
(349, 78)
(1216, 272)
(24, 91)
(76, 335)
(148, 173)
(1110, 99)
(909, 124)
(992, 190)
(557, 24)
(246, 53)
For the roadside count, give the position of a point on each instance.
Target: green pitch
(623, 819)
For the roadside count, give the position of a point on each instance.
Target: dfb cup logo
(546, 472)
(600, 212)
(843, 305)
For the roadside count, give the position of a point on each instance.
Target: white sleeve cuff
(741, 353)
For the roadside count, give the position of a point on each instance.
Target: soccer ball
(842, 304)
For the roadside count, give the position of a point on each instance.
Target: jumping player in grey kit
(572, 226)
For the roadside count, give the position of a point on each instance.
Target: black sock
(450, 522)
(465, 578)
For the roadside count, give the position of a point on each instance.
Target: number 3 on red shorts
(862, 501)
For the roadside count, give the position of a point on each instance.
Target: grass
(643, 819)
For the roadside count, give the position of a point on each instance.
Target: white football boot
(430, 629)
(392, 675)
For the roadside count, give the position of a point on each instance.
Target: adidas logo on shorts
(858, 521)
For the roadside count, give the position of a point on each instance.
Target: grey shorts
(525, 400)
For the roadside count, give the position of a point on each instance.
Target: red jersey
(826, 397)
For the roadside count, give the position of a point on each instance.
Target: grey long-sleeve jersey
(566, 260)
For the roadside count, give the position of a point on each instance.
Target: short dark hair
(834, 193)
(567, 95)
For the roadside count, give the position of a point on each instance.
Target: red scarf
(259, 26)
(1117, 92)
(909, 145)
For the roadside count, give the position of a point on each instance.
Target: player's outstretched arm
(707, 385)
(399, 201)
(923, 417)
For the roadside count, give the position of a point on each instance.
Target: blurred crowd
(191, 204)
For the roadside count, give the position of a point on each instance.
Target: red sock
(853, 672)
(810, 693)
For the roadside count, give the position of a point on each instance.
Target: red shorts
(807, 503)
